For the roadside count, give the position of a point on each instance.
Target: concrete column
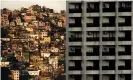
(100, 56)
(132, 44)
(83, 40)
(67, 33)
(116, 37)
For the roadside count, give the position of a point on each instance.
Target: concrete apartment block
(99, 40)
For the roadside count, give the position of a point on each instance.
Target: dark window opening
(110, 67)
(95, 51)
(77, 22)
(75, 36)
(108, 36)
(93, 7)
(108, 51)
(111, 22)
(111, 76)
(92, 36)
(77, 65)
(127, 65)
(109, 7)
(124, 7)
(125, 76)
(77, 8)
(95, 77)
(127, 36)
(127, 22)
(75, 51)
(127, 50)
(94, 67)
(75, 77)
(95, 23)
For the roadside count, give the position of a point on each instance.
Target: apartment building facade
(99, 40)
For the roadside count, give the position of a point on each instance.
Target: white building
(15, 74)
(4, 64)
(34, 73)
(45, 54)
(54, 61)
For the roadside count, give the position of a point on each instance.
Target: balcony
(125, 6)
(75, 51)
(75, 36)
(124, 50)
(92, 36)
(125, 66)
(124, 36)
(75, 8)
(75, 39)
(75, 22)
(92, 65)
(108, 65)
(124, 21)
(93, 22)
(109, 7)
(93, 7)
(108, 51)
(76, 65)
(92, 51)
(108, 21)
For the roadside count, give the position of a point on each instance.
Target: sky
(57, 5)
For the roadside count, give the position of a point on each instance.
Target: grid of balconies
(108, 40)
